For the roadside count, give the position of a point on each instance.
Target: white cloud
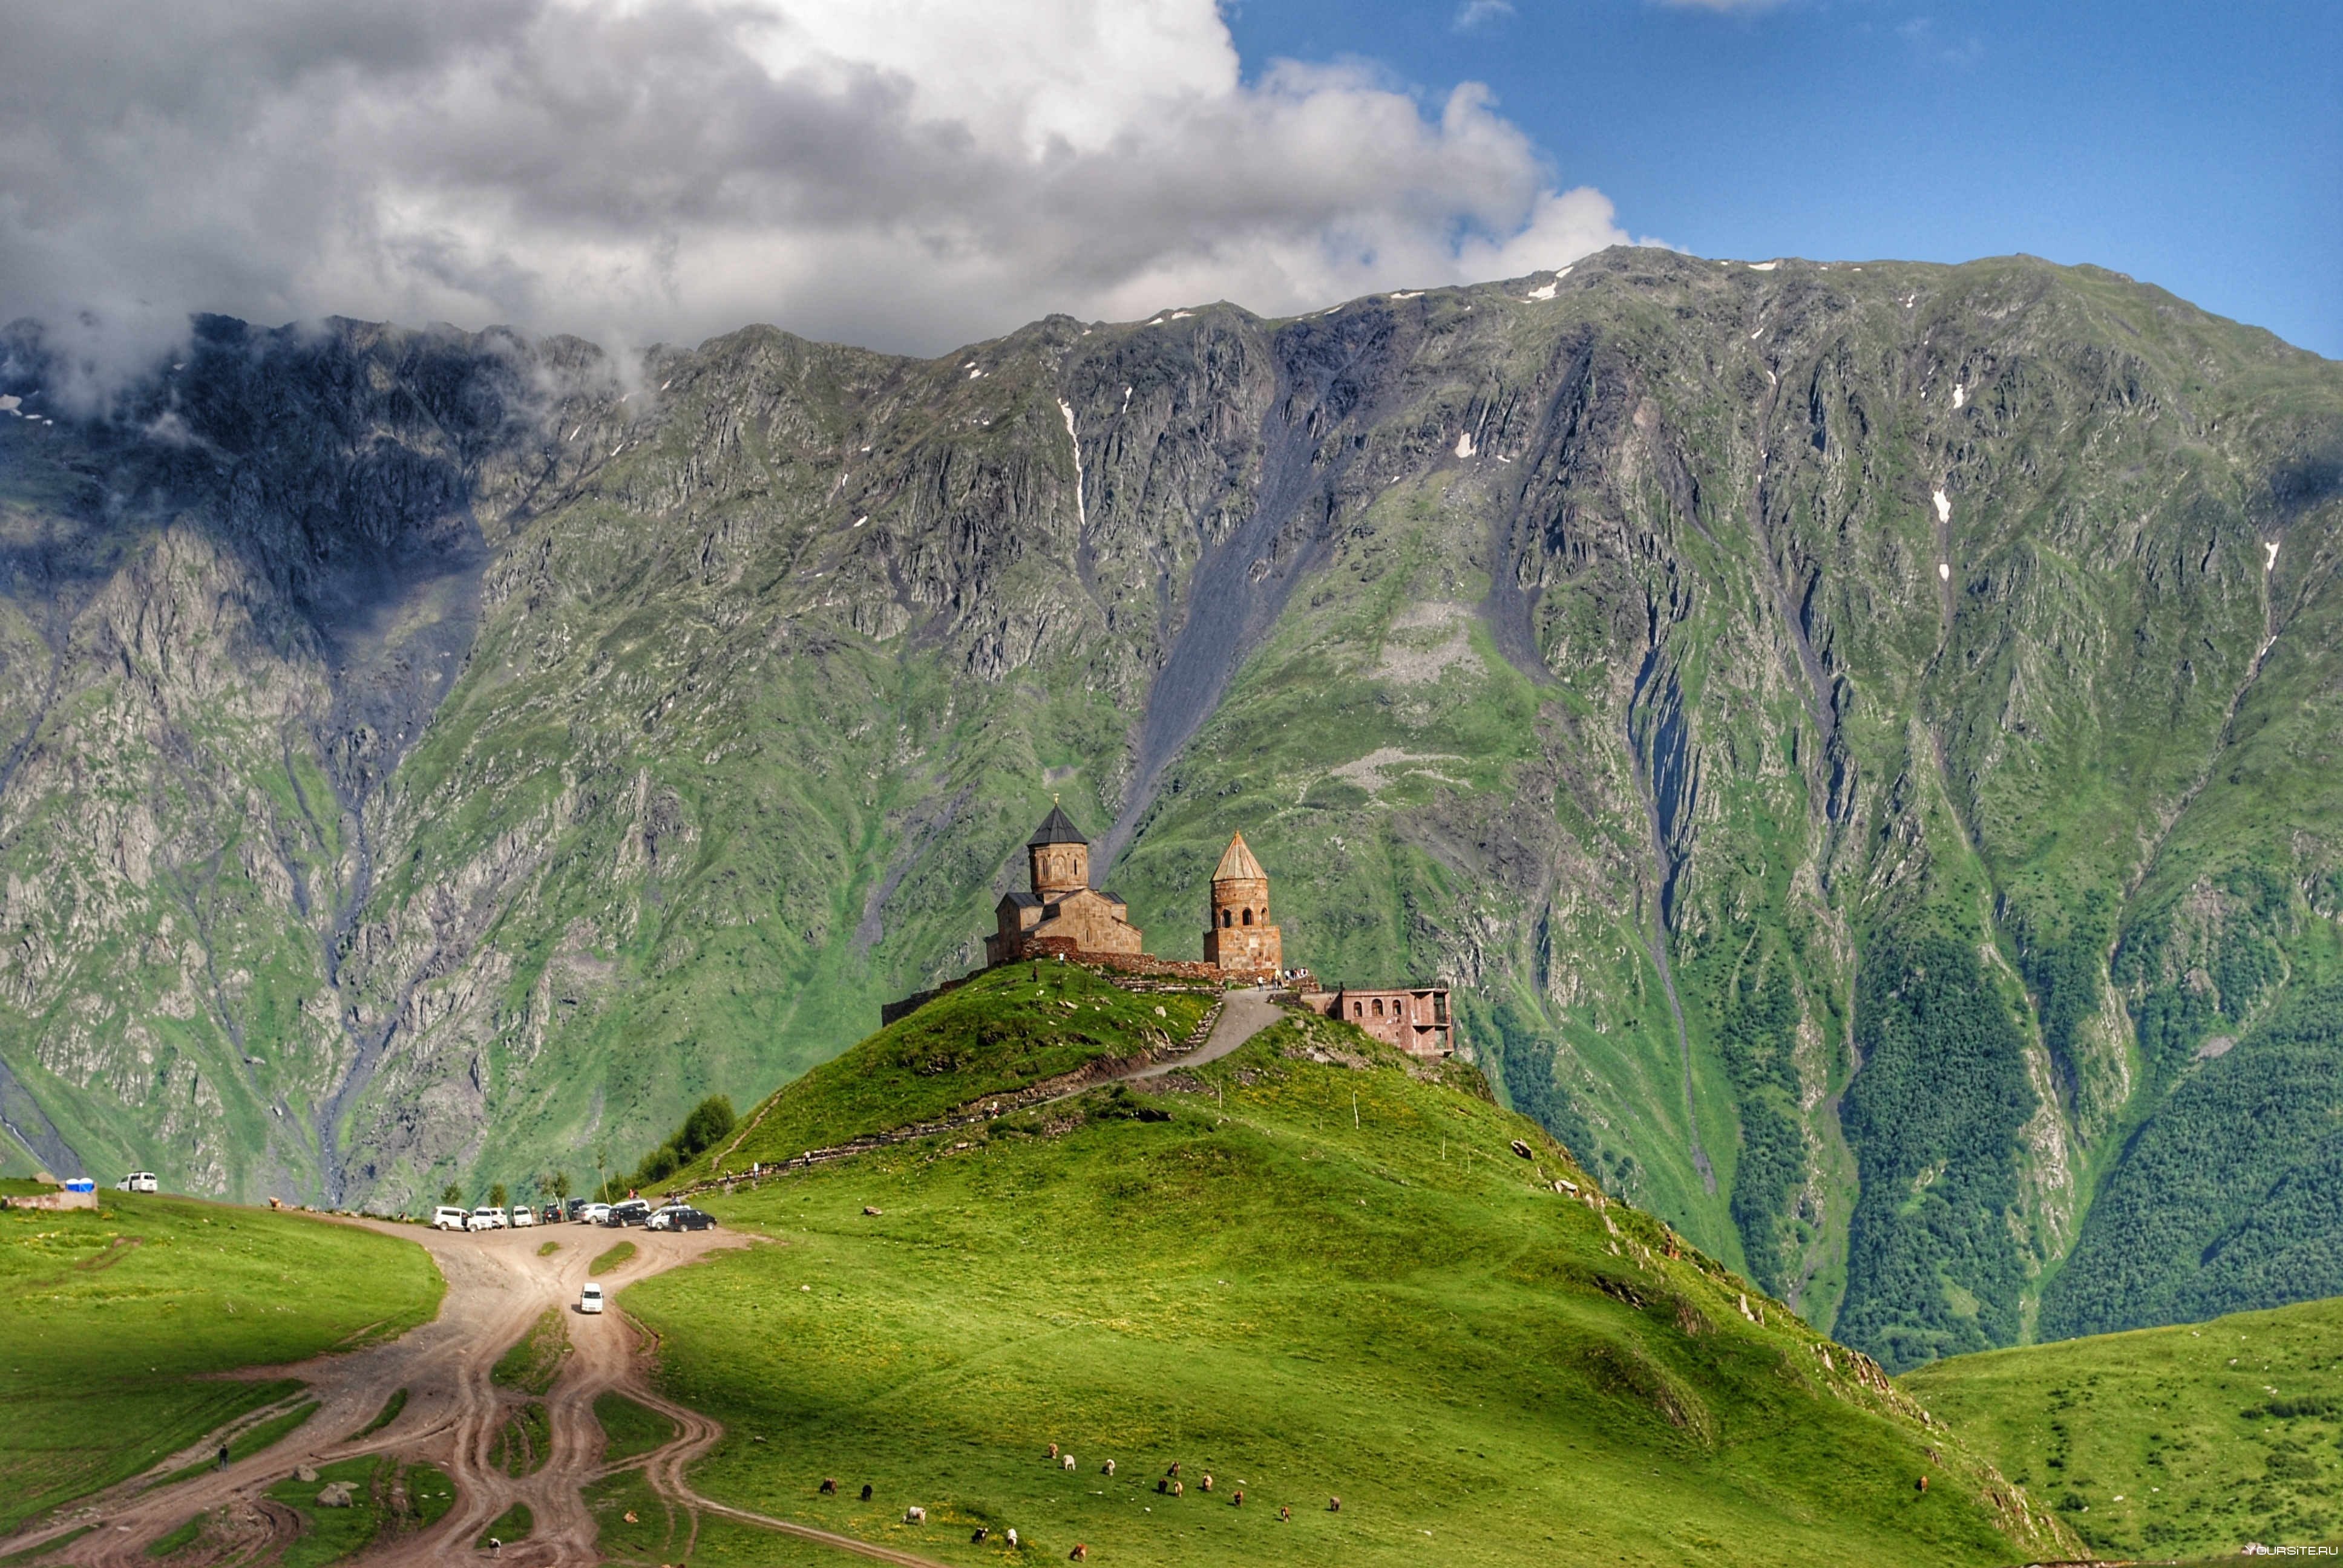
(1478, 13)
(912, 174)
(1721, 6)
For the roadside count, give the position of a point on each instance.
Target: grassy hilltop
(120, 1318)
(1006, 1030)
(1312, 1269)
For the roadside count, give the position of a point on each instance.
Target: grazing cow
(1174, 1470)
(1053, 1451)
(1178, 1488)
(1238, 1501)
(1334, 1505)
(829, 1486)
(1164, 1484)
(866, 1491)
(1067, 1463)
(1207, 1481)
(1924, 1483)
(915, 1516)
(1013, 1538)
(982, 1530)
(1108, 1468)
(1081, 1554)
(1284, 1511)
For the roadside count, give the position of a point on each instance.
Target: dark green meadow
(1312, 1273)
(2187, 1441)
(116, 1317)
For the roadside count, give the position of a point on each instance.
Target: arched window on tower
(1358, 1010)
(1225, 917)
(1379, 1007)
(1247, 917)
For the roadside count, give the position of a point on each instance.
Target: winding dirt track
(497, 1286)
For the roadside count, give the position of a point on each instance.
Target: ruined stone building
(1413, 1018)
(1239, 940)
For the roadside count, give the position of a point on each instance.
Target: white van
(488, 1219)
(522, 1214)
(590, 1299)
(139, 1182)
(448, 1217)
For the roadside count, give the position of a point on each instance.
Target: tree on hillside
(497, 1196)
(451, 1194)
(560, 1185)
(711, 1119)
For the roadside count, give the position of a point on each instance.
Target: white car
(594, 1214)
(488, 1219)
(590, 1299)
(523, 1214)
(139, 1182)
(448, 1217)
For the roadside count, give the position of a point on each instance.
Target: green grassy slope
(1310, 1270)
(2172, 1441)
(115, 1315)
(1005, 1030)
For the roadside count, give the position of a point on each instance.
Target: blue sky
(2197, 147)
(915, 175)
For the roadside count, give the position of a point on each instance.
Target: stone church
(1063, 915)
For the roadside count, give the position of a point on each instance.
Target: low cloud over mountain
(903, 172)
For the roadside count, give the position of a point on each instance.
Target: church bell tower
(1240, 940)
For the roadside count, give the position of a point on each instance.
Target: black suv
(681, 1217)
(633, 1211)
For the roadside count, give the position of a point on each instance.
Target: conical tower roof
(1057, 828)
(1237, 864)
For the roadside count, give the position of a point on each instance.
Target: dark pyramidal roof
(1057, 828)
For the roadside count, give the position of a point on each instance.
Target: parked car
(523, 1214)
(633, 1211)
(679, 1217)
(488, 1219)
(593, 1214)
(448, 1217)
(139, 1182)
(590, 1299)
(552, 1215)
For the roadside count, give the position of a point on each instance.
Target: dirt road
(497, 1286)
(1243, 1014)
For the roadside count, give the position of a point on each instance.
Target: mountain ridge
(438, 755)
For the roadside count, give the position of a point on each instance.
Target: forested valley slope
(1862, 739)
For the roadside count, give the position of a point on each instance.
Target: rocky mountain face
(1863, 739)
